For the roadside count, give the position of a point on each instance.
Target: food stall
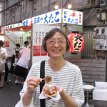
(41, 24)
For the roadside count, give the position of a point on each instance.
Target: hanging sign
(72, 17)
(76, 42)
(27, 22)
(55, 17)
(48, 18)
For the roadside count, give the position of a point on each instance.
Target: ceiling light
(56, 6)
(69, 6)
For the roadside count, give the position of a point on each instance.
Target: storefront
(68, 20)
(15, 33)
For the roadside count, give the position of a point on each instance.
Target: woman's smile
(56, 46)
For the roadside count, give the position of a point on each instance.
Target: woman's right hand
(32, 83)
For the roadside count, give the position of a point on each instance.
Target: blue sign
(27, 22)
(48, 18)
(54, 17)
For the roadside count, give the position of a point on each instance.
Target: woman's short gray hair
(50, 34)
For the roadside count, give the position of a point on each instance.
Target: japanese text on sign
(48, 18)
(76, 42)
(27, 22)
(72, 17)
(54, 17)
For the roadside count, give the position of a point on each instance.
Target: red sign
(76, 42)
(38, 51)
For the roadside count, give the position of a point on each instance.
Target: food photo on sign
(76, 42)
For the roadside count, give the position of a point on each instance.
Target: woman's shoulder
(73, 66)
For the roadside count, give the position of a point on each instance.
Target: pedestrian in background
(66, 76)
(3, 57)
(21, 68)
(15, 57)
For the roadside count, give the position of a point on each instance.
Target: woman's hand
(32, 83)
(60, 90)
(50, 90)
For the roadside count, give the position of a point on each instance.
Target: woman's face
(56, 45)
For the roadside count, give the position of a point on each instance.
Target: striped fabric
(69, 77)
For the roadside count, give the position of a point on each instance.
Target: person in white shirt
(3, 57)
(15, 57)
(21, 68)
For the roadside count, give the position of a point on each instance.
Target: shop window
(103, 3)
(97, 31)
(103, 31)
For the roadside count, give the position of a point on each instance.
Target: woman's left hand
(60, 90)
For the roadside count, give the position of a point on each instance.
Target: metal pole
(49, 3)
(61, 1)
(31, 35)
(106, 68)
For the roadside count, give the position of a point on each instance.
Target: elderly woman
(65, 75)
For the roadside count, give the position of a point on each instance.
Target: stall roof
(21, 28)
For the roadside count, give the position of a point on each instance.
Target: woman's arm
(68, 100)
(26, 99)
(32, 83)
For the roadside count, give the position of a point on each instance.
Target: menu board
(100, 38)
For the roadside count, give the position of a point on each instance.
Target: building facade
(95, 14)
(18, 10)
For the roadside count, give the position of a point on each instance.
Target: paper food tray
(57, 97)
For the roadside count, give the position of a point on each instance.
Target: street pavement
(9, 94)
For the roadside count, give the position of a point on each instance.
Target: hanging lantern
(76, 42)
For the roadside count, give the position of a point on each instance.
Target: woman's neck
(56, 64)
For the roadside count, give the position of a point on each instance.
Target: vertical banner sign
(76, 42)
(43, 53)
(37, 48)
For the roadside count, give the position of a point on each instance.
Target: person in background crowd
(17, 49)
(15, 57)
(3, 57)
(21, 68)
(6, 72)
(66, 76)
